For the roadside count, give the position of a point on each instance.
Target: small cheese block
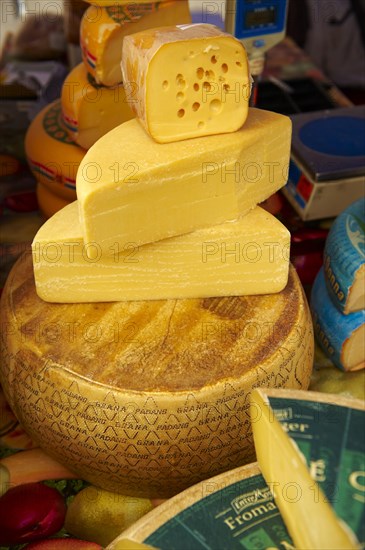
(342, 337)
(249, 256)
(90, 110)
(344, 259)
(51, 154)
(190, 81)
(146, 398)
(102, 31)
(311, 453)
(48, 202)
(134, 190)
(234, 511)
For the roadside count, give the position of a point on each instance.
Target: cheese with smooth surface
(146, 398)
(311, 451)
(51, 154)
(344, 259)
(234, 511)
(342, 337)
(103, 29)
(249, 256)
(48, 202)
(89, 110)
(191, 81)
(133, 190)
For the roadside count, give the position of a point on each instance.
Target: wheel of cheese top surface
(148, 397)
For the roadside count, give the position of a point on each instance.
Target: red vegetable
(63, 544)
(30, 512)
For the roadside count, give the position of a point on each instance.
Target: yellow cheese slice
(190, 81)
(133, 190)
(90, 110)
(302, 453)
(146, 398)
(249, 256)
(103, 29)
(51, 154)
(48, 202)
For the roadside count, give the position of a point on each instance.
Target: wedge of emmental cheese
(133, 190)
(103, 29)
(90, 110)
(342, 337)
(191, 80)
(311, 451)
(344, 259)
(248, 256)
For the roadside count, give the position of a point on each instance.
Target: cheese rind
(342, 337)
(133, 190)
(190, 81)
(48, 202)
(249, 256)
(103, 29)
(310, 453)
(89, 110)
(51, 154)
(344, 259)
(147, 398)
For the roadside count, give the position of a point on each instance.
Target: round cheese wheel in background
(147, 398)
(52, 156)
(90, 110)
(48, 202)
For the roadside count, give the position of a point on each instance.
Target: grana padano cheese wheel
(149, 397)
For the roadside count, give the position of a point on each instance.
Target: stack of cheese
(93, 99)
(338, 295)
(148, 393)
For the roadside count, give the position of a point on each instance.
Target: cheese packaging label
(191, 81)
(311, 450)
(342, 337)
(344, 259)
(133, 190)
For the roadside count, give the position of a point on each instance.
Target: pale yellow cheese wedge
(249, 256)
(305, 508)
(190, 80)
(134, 190)
(103, 29)
(90, 110)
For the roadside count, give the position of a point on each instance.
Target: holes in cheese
(103, 29)
(344, 259)
(134, 190)
(311, 455)
(51, 154)
(342, 337)
(146, 398)
(90, 110)
(249, 256)
(217, 62)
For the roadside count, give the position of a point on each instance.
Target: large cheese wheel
(51, 154)
(148, 397)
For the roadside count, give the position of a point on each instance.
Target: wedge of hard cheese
(344, 259)
(146, 398)
(249, 256)
(190, 81)
(342, 337)
(103, 29)
(134, 190)
(311, 451)
(234, 511)
(89, 110)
